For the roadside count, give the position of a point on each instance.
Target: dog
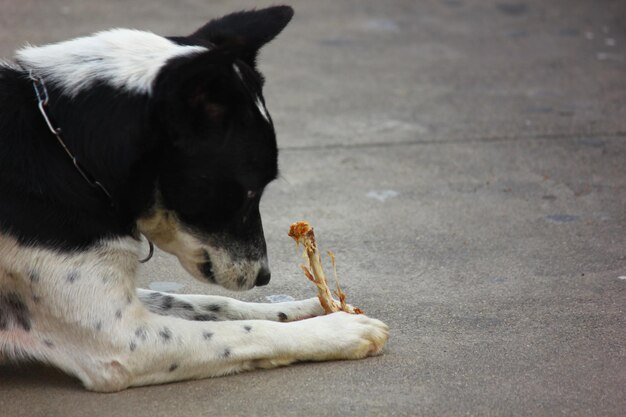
(124, 133)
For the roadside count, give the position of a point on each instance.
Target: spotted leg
(145, 348)
(175, 349)
(216, 308)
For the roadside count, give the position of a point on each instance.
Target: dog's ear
(249, 30)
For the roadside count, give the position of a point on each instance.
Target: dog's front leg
(216, 308)
(161, 349)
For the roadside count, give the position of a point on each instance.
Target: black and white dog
(122, 133)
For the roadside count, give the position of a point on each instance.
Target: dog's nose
(263, 277)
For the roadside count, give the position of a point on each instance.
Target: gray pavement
(465, 160)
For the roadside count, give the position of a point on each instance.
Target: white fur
(257, 99)
(238, 71)
(123, 58)
(9, 65)
(96, 328)
(262, 109)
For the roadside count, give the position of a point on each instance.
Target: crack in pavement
(492, 139)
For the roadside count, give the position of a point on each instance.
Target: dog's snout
(263, 277)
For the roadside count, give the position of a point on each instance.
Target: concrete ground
(465, 160)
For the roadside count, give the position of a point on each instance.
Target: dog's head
(218, 151)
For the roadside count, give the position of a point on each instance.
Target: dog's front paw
(345, 336)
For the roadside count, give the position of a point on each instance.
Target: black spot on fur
(99, 326)
(282, 317)
(173, 367)
(34, 277)
(205, 317)
(141, 333)
(213, 307)
(248, 329)
(36, 299)
(155, 295)
(13, 312)
(48, 343)
(207, 335)
(183, 305)
(165, 334)
(118, 314)
(132, 346)
(226, 353)
(72, 276)
(91, 59)
(206, 267)
(166, 302)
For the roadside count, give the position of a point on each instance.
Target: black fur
(165, 334)
(13, 312)
(207, 267)
(198, 139)
(141, 333)
(45, 200)
(205, 317)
